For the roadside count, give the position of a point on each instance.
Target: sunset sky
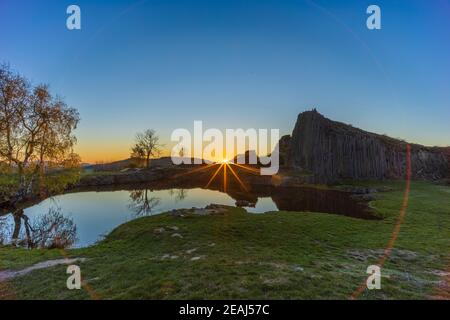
(162, 64)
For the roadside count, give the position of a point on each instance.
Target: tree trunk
(25, 185)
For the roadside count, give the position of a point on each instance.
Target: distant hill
(113, 166)
(130, 163)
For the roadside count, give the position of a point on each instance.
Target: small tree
(146, 146)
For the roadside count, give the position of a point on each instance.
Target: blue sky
(250, 63)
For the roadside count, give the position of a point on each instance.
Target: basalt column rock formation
(329, 151)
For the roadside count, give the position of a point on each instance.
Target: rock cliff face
(284, 146)
(331, 151)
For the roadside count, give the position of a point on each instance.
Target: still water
(95, 214)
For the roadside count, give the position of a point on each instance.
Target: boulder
(331, 151)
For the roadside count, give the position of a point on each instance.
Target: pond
(90, 215)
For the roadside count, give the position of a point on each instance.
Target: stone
(195, 258)
(331, 151)
(244, 203)
(159, 230)
(177, 235)
(200, 212)
(363, 197)
(297, 268)
(217, 208)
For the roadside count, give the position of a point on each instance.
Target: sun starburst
(224, 166)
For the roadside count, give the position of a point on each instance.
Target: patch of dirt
(9, 274)
(275, 281)
(373, 254)
(212, 209)
(442, 290)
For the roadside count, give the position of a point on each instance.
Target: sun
(226, 166)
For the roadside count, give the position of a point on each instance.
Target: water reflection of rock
(243, 199)
(301, 199)
(51, 230)
(141, 203)
(316, 200)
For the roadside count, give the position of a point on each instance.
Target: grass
(282, 255)
(87, 173)
(8, 184)
(53, 183)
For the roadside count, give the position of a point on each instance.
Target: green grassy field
(237, 255)
(52, 183)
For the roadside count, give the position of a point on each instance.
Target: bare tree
(51, 230)
(146, 146)
(36, 129)
(178, 194)
(141, 203)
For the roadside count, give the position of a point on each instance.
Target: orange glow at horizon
(101, 153)
(106, 152)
